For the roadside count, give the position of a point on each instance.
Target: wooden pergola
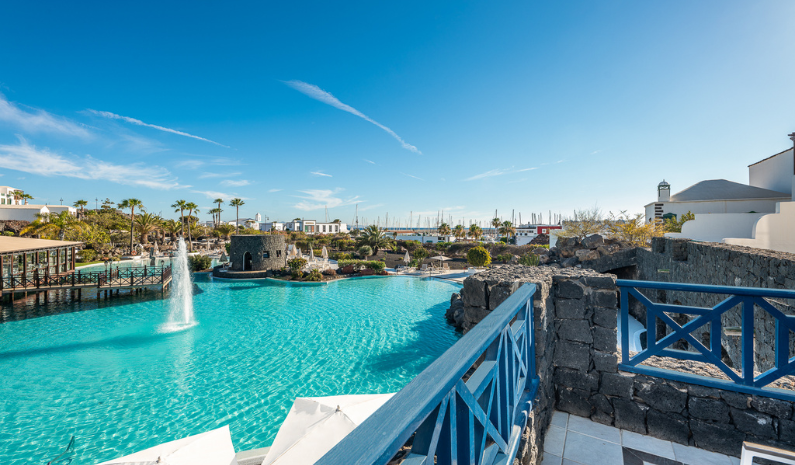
(22, 256)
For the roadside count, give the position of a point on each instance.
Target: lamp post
(61, 200)
(792, 138)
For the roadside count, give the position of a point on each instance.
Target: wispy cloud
(370, 207)
(369, 161)
(219, 195)
(235, 183)
(190, 164)
(39, 121)
(320, 173)
(274, 190)
(137, 122)
(411, 176)
(315, 199)
(219, 175)
(321, 95)
(29, 159)
(497, 172)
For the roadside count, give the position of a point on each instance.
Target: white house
(310, 227)
(422, 237)
(525, 233)
(7, 196)
(761, 214)
(29, 212)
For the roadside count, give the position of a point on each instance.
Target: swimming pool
(115, 381)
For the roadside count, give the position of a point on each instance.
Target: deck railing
(744, 380)
(129, 277)
(454, 419)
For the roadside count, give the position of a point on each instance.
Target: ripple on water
(119, 381)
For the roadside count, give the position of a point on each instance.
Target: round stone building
(257, 252)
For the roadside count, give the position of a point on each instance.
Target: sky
(404, 109)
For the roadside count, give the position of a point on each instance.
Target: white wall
(717, 226)
(715, 206)
(775, 173)
(773, 231)
(425, 239)
(57, 209)
(21, 213)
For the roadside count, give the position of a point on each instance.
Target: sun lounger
(425, 268)
(445, 267)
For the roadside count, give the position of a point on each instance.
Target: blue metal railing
(747, 298)
(478, 421)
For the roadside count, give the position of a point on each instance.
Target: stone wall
(258, 246)
(577, 361)
(684, 261)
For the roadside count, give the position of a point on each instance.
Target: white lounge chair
(445, 267)
(424, 268)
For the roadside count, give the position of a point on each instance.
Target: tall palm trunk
(237, 220)
(132, 224)
(190, 240)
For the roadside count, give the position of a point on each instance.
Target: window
(278, 253)
(266, 254)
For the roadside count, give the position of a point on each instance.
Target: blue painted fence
(745, 297)
(455, 420)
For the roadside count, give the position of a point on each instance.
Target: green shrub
(529, 259)
(365, 251)
(409, 245)
(228, 247)
(296, 265)
(375, 265)
(478, 256)
(87, 255)
(199, 262)
(504, 258)
(314, 275)
(420, 253)
(340, 256)
(8, 233)
(442, 246)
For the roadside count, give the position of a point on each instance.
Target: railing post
(624, 325)
(36, 278)
(748, 342)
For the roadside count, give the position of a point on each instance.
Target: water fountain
(181, 300)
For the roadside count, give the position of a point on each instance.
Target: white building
(761, 214)
(308, 226)
(422, 237)
(30, 212)
(525, 233)
(7, 196)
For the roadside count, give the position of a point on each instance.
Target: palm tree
(507, 229)
(444, 229)
(81, 204)
(192, 207)
(131, 204)
(475, 231)
(374, 237)
(180, 206)
(237, 203)
(172, 227)
(225, 230)
(459, 231)
(219, 201)
(53, 225)
(495, 223)
(146, 223)
(216, 212)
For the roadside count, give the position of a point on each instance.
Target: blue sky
(400, 108)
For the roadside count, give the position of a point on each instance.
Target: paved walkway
(573, 440)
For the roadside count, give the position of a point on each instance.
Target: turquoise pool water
(111, 378)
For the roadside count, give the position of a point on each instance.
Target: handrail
(429, 404)
(746, 299)
(143, 276)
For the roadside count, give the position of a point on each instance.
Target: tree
(478, 256)
(180, 206)
(475, 231)
(420, 253)
(507, 229)
(365, 251)
(216, 212)
(225, 230)
(172, 227)
(131, 203)
(81, 204)
(19, 195)
(495, 223)
(584, 223)
(191, 208)
(219, 201)
(459, 231)
(145, 223)
(237, 203)
(443, 229)
(374, 237)
(675, 225)
(54, 225)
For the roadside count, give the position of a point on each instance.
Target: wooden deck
(113, 280)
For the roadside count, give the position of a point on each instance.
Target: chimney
(663, 192)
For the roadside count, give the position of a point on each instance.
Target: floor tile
(648, 444)
(560, 419)
(570, 462)
(597, 430)
(589, 450)
(694, 456)
(638, 457)
(735, 460)
(554, 440)
(550, 459)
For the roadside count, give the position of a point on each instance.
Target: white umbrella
(407, 258)
(298, 253)
(441, 258)
(311, 254)
(316, 424)
(324, 252)
(210, 448)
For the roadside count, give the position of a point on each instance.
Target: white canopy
(440, 257)
(311, 254)
(407, 257)
(324, 252)
(210, 448)
(314, 425)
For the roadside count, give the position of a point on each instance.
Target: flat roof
(26, 244)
